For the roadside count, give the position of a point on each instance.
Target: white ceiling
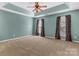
(2, 4)
(26, 5)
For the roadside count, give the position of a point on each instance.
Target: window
(63, 28)
(39, 27)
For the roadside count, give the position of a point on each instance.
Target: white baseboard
(76, 41)
(50, 37)
(64, 40)
(14, 38)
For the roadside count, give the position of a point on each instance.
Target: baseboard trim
(76, 41)
(14, 38)
(50, 37)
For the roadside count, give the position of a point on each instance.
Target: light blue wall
(34, 26)
(14, 25)
(50, 24)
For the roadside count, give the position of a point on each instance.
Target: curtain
(42, 28)
(37, 22)
(57, 34)
(68, 28)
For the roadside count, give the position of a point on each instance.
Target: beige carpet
(33, 46)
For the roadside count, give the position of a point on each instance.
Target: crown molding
(48, 14)
(12, 11)
(53, 13)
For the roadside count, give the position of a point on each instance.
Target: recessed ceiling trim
(20, 6)
(52, 13)
(54, 9)
(15, 12)
(17, 8)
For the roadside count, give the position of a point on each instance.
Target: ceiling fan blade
(44, 6)
(30, 6)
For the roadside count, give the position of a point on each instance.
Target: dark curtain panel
(57, 34)
(68, 28)
(42, 28)
(37, 22)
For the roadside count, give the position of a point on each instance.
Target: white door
(63, 28)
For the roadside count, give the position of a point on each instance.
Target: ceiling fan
(37, 7)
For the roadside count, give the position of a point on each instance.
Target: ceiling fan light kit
(38, 8)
